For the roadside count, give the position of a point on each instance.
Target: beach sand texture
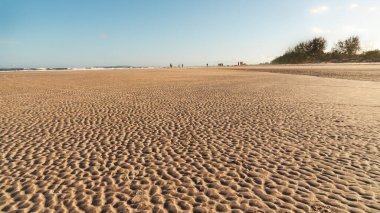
(194, 140)
(363, 72)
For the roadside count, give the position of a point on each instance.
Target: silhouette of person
(171, 66)
(182, 65)
(206, 65)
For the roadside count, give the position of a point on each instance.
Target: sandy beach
(353, 71)
(191, 140)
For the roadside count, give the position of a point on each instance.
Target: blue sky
(75, 33)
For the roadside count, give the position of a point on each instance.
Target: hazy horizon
(147, 33)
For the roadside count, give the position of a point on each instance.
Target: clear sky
(72, 33)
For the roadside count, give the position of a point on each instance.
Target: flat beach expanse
(190, 140)
(354, 71)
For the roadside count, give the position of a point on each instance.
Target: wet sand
(196, 140)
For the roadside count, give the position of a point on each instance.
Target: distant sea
(69, 68)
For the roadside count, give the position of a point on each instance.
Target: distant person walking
(171, 65)
(182, 65)
(206, 65)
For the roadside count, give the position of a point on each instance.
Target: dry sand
(363, 72)
(188, 140)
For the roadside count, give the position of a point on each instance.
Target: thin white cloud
(353, 29)
(353, 6)
(317, 30)
(371, 9)
(320, 9)
(7, 42)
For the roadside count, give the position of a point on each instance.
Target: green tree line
(314, 51)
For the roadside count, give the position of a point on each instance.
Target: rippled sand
(188, 140)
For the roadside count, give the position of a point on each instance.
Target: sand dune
(188, 141)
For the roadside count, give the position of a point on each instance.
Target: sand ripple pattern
(188, 141)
